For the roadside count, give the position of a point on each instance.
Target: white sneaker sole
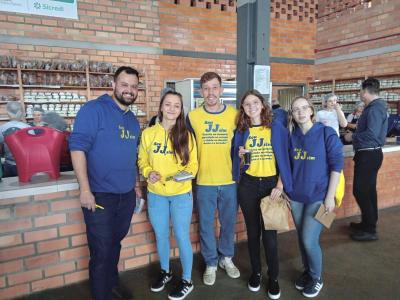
(253, 289)
(231, 276)
(315, 294)
(183, 297)
(274, 297)
(161, 288)
(208, 282)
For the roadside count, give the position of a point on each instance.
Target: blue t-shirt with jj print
(109, 136)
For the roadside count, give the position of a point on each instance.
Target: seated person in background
(279, 114)
(54, 120)
(37, 114)
(15, 112)
(155, 119)
(331, 115)
(354, 116)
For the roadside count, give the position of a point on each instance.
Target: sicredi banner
(53, 8)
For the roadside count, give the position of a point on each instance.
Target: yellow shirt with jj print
(262, 162)
(155, 154)
(214, 134)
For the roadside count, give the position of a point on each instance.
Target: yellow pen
(99, 206)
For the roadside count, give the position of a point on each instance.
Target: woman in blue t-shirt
(317, 160)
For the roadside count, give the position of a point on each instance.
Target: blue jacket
(109, 137)
(280, 146)
(313, 156)
(280, 115)
(372, 126)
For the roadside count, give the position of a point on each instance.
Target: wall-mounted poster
(53, 8)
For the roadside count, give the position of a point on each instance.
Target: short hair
(209, 76)
(15, 110)
(38, 109)
(329, 96)
(372, 85)
(54, 120)
(127, 70)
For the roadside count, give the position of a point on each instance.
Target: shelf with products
(83, 78)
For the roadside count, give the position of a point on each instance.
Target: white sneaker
(227, 264)
(209, 275)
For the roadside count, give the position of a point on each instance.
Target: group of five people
(303, 160)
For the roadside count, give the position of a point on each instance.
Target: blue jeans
(308, 231)
(180, 208)
(105, 229)
(224, 198)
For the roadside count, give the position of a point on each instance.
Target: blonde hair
(292, 123)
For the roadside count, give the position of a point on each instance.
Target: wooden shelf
(320, 92)
(348, 90)
(9, 86)
(53, 71)
(56, 102)
(53, 87)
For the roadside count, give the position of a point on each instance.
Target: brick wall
(43, 242)
(358, 27)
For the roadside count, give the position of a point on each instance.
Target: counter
(43, 242)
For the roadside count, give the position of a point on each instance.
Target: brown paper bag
(275, 213)
(325, 218)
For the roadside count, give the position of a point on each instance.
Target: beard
(123, 99)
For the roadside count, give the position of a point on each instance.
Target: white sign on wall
(262, 81)
(53, 8)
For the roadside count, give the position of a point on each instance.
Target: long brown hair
(179, 134)
(243, 120)
(292, 124)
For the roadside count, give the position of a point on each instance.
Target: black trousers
(366, 167)
(251, 191)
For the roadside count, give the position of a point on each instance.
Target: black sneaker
(274, 292)
(181, 291)
(254, 283)
(302, 281)
(313, 288)
(161, 281)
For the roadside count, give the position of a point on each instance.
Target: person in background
(54, 120)
(368, 140)
(279, 113)
(352, 118)
(331, 114)
(104, 150)
(15, 112)
(37, 114)
(267, 174)
(166, 149)
(316, 156)
(213, 125)
(155, 119)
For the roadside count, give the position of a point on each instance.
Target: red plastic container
(36, 149)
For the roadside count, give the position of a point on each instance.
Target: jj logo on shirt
(213, 127)
(301, 154)
(159, 148)
(125, 134)
(255, 142)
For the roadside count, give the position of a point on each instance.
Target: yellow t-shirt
(155, 154)
(214, 134)
(262, 162)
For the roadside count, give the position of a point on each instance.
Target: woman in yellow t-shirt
(265, 172)
(166, 149)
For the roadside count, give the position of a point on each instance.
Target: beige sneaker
(209, 275)
(227, 264)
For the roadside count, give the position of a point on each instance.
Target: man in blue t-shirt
(103, 148)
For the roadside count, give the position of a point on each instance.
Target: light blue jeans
(209, 199)
(308, 231)
(179, 208)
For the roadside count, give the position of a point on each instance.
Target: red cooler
(36, 149)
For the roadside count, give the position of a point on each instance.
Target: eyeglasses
(302, 108)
